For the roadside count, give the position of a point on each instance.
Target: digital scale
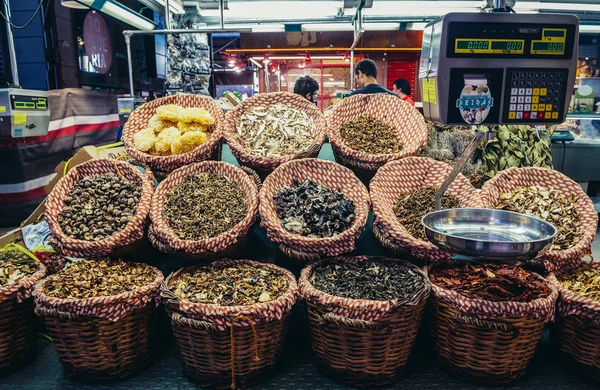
(23, 113)
(498, 68)
(126, 106)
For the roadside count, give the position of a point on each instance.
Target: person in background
(365, 72)
(306, 87)
(402, 89)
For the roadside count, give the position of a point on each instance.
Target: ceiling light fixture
(114, 9)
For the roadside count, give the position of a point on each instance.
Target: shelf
(583, 116)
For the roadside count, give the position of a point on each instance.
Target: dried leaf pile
(99, 206)
(585, 282)
(11, 271)
(99, 278)
(410, 208)
(205, 205)
(174, 130)
(371, 135)
(550, 205)
(375, 280)
(491, 282)
(276, 130)
(238, 285)
(13, 254)
(314, 210)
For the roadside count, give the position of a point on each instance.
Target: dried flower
(584, 282)
(371, 135)
(229, 286)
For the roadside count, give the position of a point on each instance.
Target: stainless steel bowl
(488, 234)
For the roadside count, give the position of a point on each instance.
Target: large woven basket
(403, 176)
(162, 165)
(229, 346)
(18, 323)
(510, 179)
(265, 165)
(578, 326)
(130, 239)
(485, 341)
(225, 245)
(409, 123)
(324, 172)
(102, 338)
(362, 342)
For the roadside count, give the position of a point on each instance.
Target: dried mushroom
(550, 205)
(237, 285)
(276, 130)
(205, 205)
(314, 210)
(99, 206)
(584, 282)
(411, 207)
(371, 135)
(376, 280)
(11, 271)
(98, 278)
(491, 282)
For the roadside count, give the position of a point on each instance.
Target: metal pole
(167, 15)
(11, 44)
(221, 17)
(267, 88)
(499, 4)
(129, 63)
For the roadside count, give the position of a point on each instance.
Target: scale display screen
(22, 102)
(488, 40)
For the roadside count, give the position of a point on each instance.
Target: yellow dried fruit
(196, 115)
(157, 125)
(144, 140)
(169, 112)
(188, 142)
(166, 138)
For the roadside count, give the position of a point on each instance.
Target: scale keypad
(534, 95)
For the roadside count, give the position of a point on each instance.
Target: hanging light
(302, 65)
(266, 59)
(114, 9)
(346, 57)
(307, 58)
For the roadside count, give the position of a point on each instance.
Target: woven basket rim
(9, 290)
(42, 299)
(531, 307)
(239, 229)
(211, 143)
(378, 184)
(300, 103)
(335, 138)
(583, 203)
(314, 295)
(140, 214)
(356, 226)
(291, 292)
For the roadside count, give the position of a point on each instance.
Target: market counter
(578, 159)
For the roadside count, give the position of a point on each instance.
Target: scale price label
(553, 42)
(489, 46)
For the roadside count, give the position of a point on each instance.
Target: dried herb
(314, 210)
(276, 130)
(11, 271)
(377, 280)
(585, 282)
(13, 254)
(371, 135)
(230, 286)
(205, 205)
(99, 278)
(550, 205)
(411, 207)
(491, 282)
(99, 206)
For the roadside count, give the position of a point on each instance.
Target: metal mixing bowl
(488, 234)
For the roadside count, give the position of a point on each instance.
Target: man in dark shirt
(365, 72)
(306, 87)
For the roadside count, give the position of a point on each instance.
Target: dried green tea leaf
(229, 286)
(205, 205)
(13, 254)
(98, 278)
(371, 135)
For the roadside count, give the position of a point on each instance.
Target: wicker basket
(403, 176)
(361, 342)
(229, 346)
(408, 122)
(18, 323)
(332, 175)
(578, 326)
(102, 338)
(508, 180)
(265, 165)
(129, 240)
(484, 341)
(162, 165)
(228, 244)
